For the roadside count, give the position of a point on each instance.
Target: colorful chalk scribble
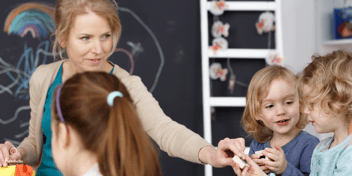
(36, 18)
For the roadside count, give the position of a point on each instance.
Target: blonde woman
(87, 31)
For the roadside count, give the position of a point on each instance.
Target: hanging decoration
(218, 7)
(219, 44)
(275, 59)
(265, 23)
(216, 71)
(232, 80)
(219, 29)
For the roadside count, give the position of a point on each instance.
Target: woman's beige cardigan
(173, 138)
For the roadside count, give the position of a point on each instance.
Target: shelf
(241, 53)
(338, 42)
(247, 6)
(227, 102)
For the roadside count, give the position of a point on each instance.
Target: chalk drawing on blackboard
(136, 49)
(129, 55)
(36, 20)
(33, 18)
(162, 60)
(21, 73)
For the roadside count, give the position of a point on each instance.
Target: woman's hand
(253, 170)
(223, 154)
(8, 152)
(277, 161)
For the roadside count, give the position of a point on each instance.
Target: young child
(327, 88)
(96, 131)
(272, 116)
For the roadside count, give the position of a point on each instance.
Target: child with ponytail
(96, 131)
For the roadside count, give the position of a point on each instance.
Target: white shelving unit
(325, 42)
(338, 42)
(209, 101)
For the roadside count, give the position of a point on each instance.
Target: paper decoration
(265, 23)
(275, 59)
(219, 44)
(216, 71)
(232, 82)
(218, 7)
(219, 29)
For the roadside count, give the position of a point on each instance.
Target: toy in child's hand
(218, 7)
(260, 153)
(219, 44)
(240, 162)
(265, 23)
(219, 29)
(217, 72)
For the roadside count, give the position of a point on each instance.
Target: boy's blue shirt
(298, 153)
(335, 161)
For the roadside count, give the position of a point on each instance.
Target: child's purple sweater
(298, 153)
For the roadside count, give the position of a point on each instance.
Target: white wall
(298, 23)
(299, 38)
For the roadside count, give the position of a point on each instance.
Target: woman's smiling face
(89, 42)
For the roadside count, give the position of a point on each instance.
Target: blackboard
(164, 39)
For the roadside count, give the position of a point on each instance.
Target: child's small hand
(253, 170)
(277, 161)
(256, 158)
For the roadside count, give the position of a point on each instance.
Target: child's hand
(253, 170)
(277, 161)
(255, 157)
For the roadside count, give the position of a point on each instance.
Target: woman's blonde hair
(329, 78)
(258, 89)
(67, 10)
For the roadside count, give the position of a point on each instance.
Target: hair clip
(112, 96)
(265, 23)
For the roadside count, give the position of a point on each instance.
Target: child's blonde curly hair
(329, 78)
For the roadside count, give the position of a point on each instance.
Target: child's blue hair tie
(112, 96)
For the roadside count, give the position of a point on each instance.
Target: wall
(299, 35)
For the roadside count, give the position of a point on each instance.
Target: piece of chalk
(240, 161)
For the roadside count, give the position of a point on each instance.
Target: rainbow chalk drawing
(33, 18)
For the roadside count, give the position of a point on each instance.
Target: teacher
(87, 32)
